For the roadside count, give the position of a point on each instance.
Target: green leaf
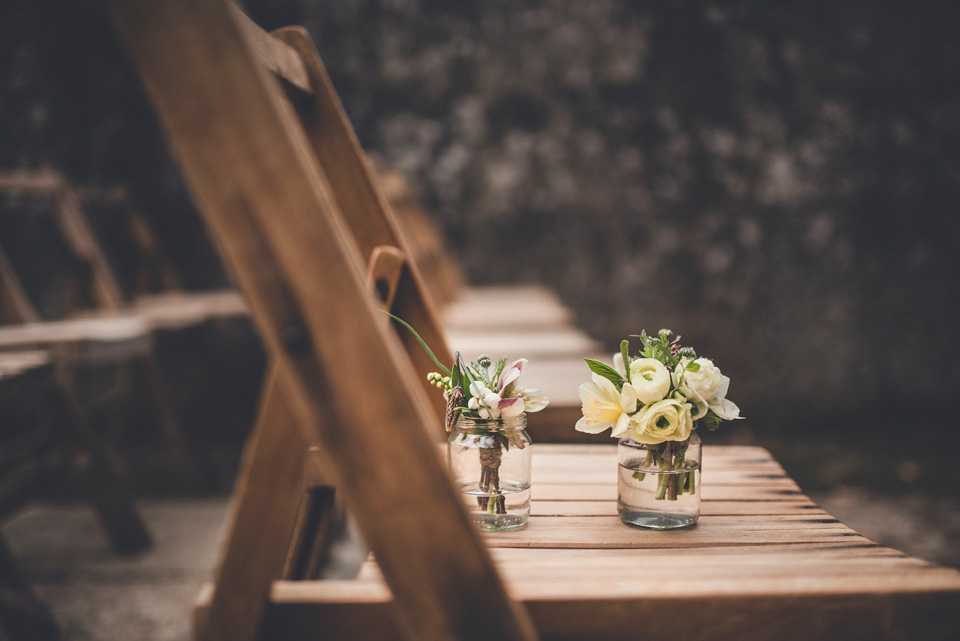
(455, 373)
(499, 370)
(604, 370)
(624, 353)
(693, 367)
(710, 420)
(467, 379)
(445, 370)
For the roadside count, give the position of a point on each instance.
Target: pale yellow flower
(604, 406)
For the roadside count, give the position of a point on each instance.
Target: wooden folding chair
(101, 325)
(764, 563)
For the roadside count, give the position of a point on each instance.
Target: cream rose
(650, 379)
(666, 420)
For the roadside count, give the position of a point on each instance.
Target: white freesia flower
(604, 406)
(491, 405)
(666, 420)
(510, 407)
(533, 400)
(487, 401)
(650, 379)
(510, 377)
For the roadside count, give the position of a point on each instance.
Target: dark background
(778, 182)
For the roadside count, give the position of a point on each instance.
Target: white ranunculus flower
(650, 379)
(698, 406)
(721, 405)
(705, 381)
(709, 384)
(666, 420)
(604, 406)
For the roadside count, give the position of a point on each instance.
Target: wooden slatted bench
(764, 562)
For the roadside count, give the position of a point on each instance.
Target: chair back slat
(76, 229)
(274, 54)
(15, 305)
(357, 192)
(349, 384)
(97, 278)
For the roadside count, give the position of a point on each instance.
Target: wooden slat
(258, 186)
(261, 522)
(608, 532)
(274, 54)
(532, 343)
(364, 209)
(15, 299)
(500, 307)
(83, 243)
(602, 492)
(709, 508)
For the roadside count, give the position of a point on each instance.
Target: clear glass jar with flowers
(653, 403)
(488, 450)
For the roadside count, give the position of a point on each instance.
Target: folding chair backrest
(352, 183)
(94, 273)
(345, 380)
(94, 282)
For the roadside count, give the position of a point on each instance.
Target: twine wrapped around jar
(490, 458)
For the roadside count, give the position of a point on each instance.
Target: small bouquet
(485, 391)
(657, 398)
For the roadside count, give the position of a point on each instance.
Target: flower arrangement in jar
(654, 402)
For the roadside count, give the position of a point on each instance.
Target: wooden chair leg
(322, 518)
(104, 484)
(186, 449)
(268, 490)
(23, 616)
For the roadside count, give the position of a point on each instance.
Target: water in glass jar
(661, 500)
(493, 511)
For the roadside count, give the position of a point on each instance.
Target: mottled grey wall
(778, 182)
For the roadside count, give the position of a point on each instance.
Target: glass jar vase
(490, 462)
(658, 485)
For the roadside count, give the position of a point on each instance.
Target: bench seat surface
(763, 561)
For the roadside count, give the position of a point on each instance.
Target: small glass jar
(658, 485)
(490, 462)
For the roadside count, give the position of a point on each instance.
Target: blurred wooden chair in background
(765, 562)
(99, 316)
(44, 440)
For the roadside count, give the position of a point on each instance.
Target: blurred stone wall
(777, 182)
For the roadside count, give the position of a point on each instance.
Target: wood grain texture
(258, 185)
(261, 523)
(775, 568)
(353, 186)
